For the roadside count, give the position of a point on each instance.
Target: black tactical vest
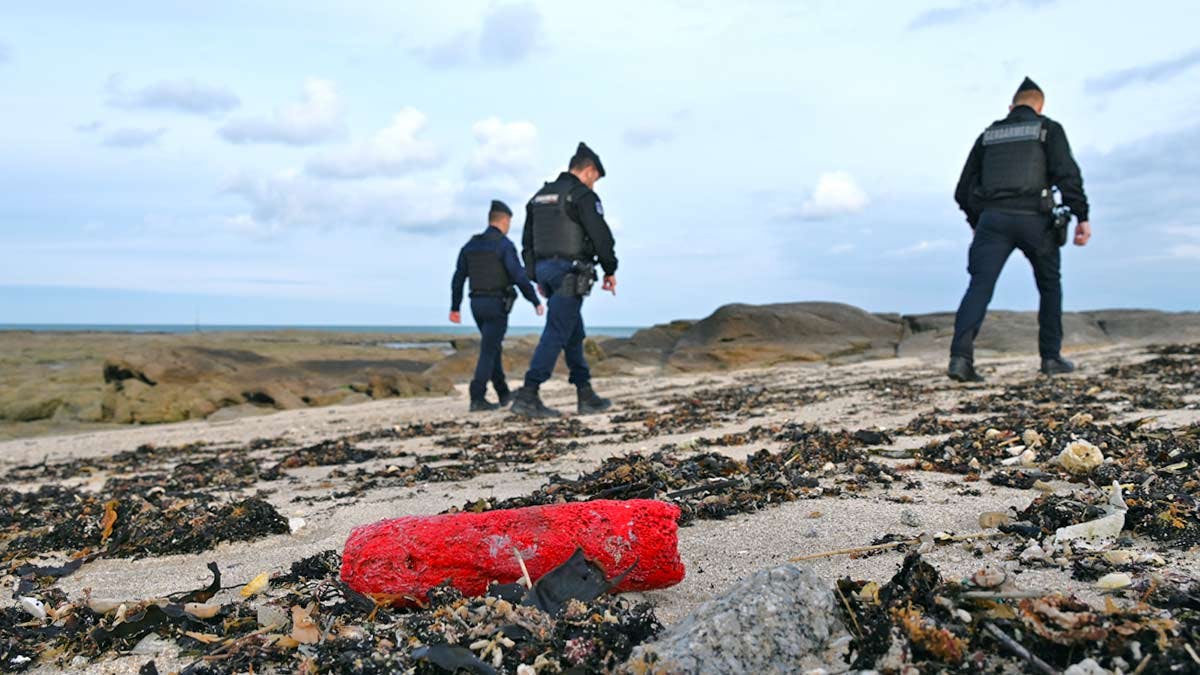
(486, 271)
(555, 235)
(1014, 161)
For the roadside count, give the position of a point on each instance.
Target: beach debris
(1114, 581)
(577, 579)
(256, 585)
(1106, 528)
(453, 659)
(1080, 457)
(295, 524)
(405, 557)
(333, 629)
(915, 623)
(990, 520)
(33, 607)
(304, 629)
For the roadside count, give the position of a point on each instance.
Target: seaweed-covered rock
(782, 620)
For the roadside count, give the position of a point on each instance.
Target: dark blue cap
(583, 152)
(1029, 85)
(499, 207)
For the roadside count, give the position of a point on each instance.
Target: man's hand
(610, 284)
(1083, 233)
(540, 309)
(455, 317)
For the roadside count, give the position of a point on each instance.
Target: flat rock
(782, 620)
(740, 336)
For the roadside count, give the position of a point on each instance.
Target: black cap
(499, 207)
(1029, 85)
(584, 152)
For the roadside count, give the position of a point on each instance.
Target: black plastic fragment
(452, 658)
(576, 579)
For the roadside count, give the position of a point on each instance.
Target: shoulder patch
(599, 207)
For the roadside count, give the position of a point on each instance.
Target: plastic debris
(1106, 528)
(257, 585)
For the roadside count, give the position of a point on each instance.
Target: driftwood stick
(1016, 648)
(524, 571)
(895, 544)
(1004, 595)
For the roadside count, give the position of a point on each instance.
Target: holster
(510, 299)
(579, 281)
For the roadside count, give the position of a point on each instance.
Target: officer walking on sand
(1006, 191)
(565, 234)
(490, 261)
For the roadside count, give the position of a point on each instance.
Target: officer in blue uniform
(1006, 192)
(565, 236)
(490, 261)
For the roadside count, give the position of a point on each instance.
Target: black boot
(962, 370)
(483, 405)
(527, 403)
(506, 397)
(590, 402)
(1057, 366)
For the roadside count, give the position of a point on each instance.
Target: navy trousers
(493, 324)
(564, 331)
(997, 235)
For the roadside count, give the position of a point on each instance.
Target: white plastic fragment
(1106, 528)
(1080, 457)
(1088, 666)
(33, 607)
(1026, 458)
(1114, 581)
(295, 524)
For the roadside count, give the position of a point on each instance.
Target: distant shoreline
(181, 329)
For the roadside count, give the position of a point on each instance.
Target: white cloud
(293, 199)
(183, 95)
(392, 151)
(836, 194)
(1189, 250)
(923, 246)
(503, 147)
(509, 34)
(841, 248)
(317, 118)
(130, 137)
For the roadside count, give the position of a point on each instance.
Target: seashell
(989, 577)
(1080, 457)
(1114, 581)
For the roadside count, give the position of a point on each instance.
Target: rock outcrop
(171, 384)
(782, 620)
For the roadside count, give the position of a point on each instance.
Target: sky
(300, 162)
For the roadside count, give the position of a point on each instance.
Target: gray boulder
(783, 620)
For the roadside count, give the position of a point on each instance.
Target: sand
(717, 553)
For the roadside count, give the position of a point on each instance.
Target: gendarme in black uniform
(490, 261)
(1005, 191)
(565, 236)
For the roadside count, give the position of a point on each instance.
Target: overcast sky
(299, 162)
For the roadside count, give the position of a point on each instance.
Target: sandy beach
(877, 395)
